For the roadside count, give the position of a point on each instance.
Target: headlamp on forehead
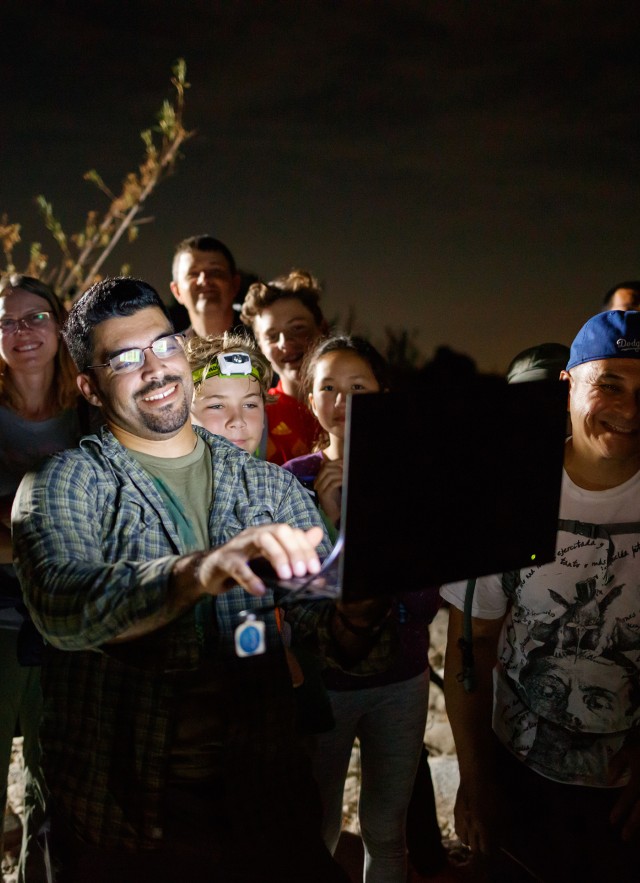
(227, 365)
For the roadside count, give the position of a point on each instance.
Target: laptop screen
(448, 482)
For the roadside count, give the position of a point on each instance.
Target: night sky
(467, 171)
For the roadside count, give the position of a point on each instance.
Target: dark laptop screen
(446, 482)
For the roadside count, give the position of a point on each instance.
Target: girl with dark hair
(374, 653)
(335, 367)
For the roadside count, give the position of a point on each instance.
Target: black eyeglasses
(131, 360)
(30, 321)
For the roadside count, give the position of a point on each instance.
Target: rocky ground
(438, 738)
(14, 812)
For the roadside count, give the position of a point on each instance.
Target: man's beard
(170, 419)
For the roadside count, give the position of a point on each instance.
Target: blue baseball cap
(610, 335)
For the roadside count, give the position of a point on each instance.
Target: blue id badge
(249, 637)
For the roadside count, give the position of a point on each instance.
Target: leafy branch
(83, 253)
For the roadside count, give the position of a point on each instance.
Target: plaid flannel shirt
(94, 549)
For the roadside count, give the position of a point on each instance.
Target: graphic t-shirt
(567, 684)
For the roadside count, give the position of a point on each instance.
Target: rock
(444, 772)
(439, 738)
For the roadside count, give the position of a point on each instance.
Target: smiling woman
(39, 414)
(30, 320)
(286, 319)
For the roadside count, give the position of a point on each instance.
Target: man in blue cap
(551, 776)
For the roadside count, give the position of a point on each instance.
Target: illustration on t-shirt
(569, 680)
(583, 628)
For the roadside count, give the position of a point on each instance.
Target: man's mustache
(158, 384)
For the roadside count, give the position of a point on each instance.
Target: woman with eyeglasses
(39, 415)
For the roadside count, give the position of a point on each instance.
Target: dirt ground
(438, 738)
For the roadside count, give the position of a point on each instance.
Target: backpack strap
(510, 581)
(597, 531)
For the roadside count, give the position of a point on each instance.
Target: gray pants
(389, 723)
(561, 832)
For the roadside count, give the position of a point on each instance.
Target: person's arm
(625, 815)
(6, 548)
(290, 551)
(355, 628)
(356, 638)
(328, 487)
(470, 717)
(82, 556)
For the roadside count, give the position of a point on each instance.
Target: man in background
(206, 282)
(623, 296)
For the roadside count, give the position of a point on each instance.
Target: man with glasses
(167, 737)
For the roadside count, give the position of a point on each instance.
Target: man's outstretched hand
(291, 552)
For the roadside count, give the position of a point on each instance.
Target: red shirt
(292, 427)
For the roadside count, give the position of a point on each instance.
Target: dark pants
(424, 838)
(200, 845)
(560, 832)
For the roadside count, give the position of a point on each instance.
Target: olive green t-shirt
(186, 486)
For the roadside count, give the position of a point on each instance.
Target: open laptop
(443, 482)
